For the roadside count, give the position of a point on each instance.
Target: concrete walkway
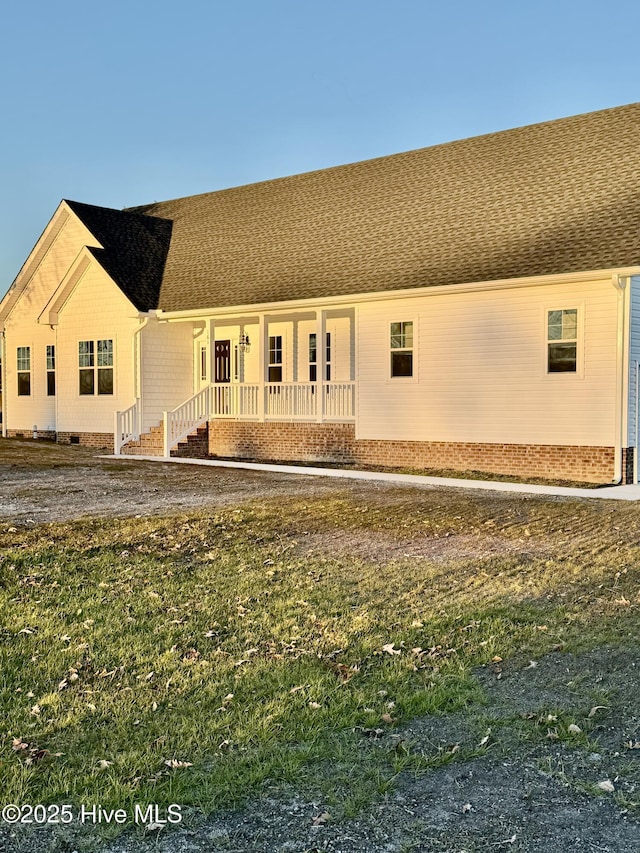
(616, 493)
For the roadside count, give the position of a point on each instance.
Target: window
(24, 371)
(51, 371)
(89, 365)
(313, 357)
(204, 358)
(402, 349)
(562, 341)
(275, 358)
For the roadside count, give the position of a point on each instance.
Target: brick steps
(195, 446)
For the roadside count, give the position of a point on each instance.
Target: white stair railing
(185, 418)
(126, 426)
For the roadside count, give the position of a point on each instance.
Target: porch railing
(126, 427)
(235, 401)
(307, 401)
(182, 420)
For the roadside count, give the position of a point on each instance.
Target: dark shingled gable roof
(562, 196)
(135, 249)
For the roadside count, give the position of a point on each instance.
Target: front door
(223, 361)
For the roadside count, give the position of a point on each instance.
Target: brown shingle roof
(561, 196)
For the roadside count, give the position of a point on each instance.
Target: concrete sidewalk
(616, 493)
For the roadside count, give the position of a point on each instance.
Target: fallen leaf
(606, 785)
(103, 764)
(597, 708)
(574, 730)
(532, 664)
(387, 718)
(17, 744)
(320, 819)
(632, 744)
(390, 650)
(174, 763)
(466, 808)
(315, 705)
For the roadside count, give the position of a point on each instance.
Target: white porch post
(212, 362)
(321, 362)
(294, 345)
(166, 442)
(263, 358)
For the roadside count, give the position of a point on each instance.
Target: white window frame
(272, 357)
(50, 363)
(96, 366)
(568, 375)
(412, 349)
(328, 356)
(22, 370)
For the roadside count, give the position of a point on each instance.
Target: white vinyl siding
(96, 312)
(479, 375)
(45, 268)
(166, 368)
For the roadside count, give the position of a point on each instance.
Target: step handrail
(185, 418)
(126, 427)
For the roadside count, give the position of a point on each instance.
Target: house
(473, 305)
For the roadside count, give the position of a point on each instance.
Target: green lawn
(187, 659)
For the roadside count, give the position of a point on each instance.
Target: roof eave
(377, 296)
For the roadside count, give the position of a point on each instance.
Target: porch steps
(194, 446)
(149, 444)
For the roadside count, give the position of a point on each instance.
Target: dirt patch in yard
(379, 547)
(43, 482)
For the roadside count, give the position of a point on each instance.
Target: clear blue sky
(124, 102)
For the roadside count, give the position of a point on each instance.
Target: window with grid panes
(401, 345)
(562, 341)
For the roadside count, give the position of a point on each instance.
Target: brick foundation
(102, 440)
(336, 443)
(43, 434)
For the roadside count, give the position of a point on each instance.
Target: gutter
(353, 299)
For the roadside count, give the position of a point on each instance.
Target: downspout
(3, 381)
(137, 360)
(620, 283)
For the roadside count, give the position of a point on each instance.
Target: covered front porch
(267, 367)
